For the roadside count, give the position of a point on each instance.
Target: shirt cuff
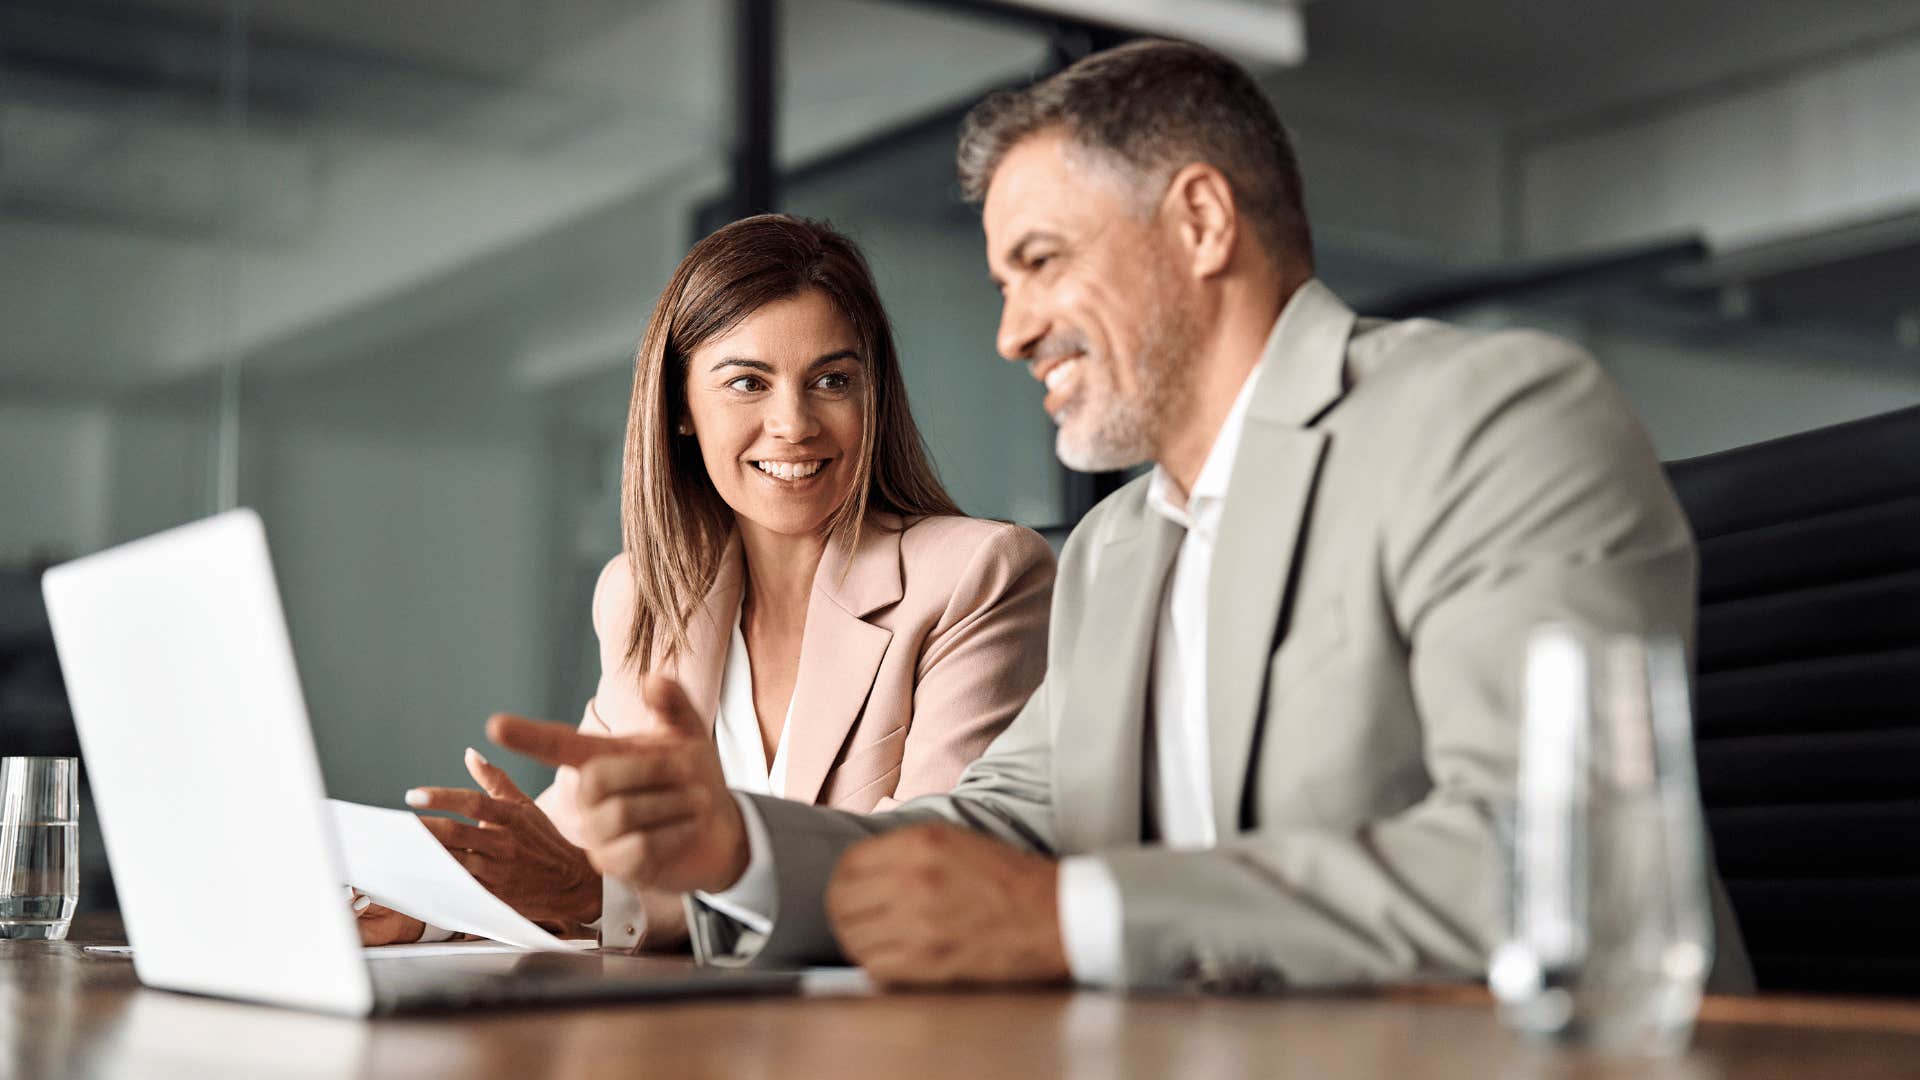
(434, 933)
(752, 901)
(1090, 928)
(623, 918)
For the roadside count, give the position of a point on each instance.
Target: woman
(791, 559)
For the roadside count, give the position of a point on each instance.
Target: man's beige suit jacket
(1409, 500)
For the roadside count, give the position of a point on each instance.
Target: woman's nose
(791, 417)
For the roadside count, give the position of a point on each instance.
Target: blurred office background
(377, 268)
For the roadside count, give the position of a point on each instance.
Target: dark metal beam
(1532, 279)
(755, 42)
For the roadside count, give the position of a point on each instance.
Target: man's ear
(1199, 203)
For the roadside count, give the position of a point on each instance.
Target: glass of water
(1607, 933)
(39, 846)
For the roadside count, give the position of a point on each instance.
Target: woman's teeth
(789, 470)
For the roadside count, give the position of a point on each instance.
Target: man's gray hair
(1151, 108)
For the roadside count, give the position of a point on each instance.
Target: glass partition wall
(123, 210)
(377, 270)
(373, 270)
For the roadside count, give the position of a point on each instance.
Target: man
(1281, 700)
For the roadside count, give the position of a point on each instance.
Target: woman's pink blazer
(920, 646)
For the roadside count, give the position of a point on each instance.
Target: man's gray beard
(1128, 432)
(1120, 441)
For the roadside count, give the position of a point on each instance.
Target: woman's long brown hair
(673, 521)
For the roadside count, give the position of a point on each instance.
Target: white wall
(1697, 399)
(1808, 149)
(413, 576)
(54, 478)
(1701, 390)
(1418, 178)
(414, 569)
(162, 471)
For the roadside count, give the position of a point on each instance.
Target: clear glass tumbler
(1607, 932)
(39, 846)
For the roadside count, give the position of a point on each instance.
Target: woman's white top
(736, 727)
(743, 761)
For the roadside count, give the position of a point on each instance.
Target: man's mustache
(1054, 346)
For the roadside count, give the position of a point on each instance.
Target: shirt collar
(1200, 508)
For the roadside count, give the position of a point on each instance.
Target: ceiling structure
(390, 151)
(1551, 72)
(1544, 63)
(154, 222)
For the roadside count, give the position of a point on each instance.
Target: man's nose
(1021, 327)
(790, 417)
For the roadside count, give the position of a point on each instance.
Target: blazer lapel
(841, 651)
(1261, 525)
(1246, 593)
(1101, 739)
(700, 667)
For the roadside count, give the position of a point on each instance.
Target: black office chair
(1809, 697)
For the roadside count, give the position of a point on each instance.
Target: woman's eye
(746, 384)
(835, 380)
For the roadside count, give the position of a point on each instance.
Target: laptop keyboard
(554, 978)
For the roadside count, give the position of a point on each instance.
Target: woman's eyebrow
(738, 361)
(765, 368)
(843, 354)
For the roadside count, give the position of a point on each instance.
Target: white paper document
(428, 949)
(392, 857)
(462, 948)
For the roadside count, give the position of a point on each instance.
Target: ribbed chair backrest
(1808, 701)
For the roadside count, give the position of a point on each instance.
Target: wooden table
(64, 1012)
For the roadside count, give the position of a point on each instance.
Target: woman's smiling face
(778, 407)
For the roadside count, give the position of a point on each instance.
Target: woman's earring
(685, 428)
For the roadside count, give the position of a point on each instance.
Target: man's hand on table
(936, 904)
(655, 811)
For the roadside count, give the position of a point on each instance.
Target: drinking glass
(1606, 937)
(39, 846)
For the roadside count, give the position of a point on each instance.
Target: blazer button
(630, 930)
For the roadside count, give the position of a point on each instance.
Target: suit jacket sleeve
(1007, 793)
(1533, 495)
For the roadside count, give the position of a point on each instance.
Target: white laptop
(208, 789)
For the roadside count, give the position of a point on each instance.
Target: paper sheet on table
(426, 950)
(392, 857)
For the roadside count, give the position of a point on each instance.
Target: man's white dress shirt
(1089, 898)
(1181, 772)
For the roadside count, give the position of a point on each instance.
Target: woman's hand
(382, 925)
(654, 809)
(515, 851)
